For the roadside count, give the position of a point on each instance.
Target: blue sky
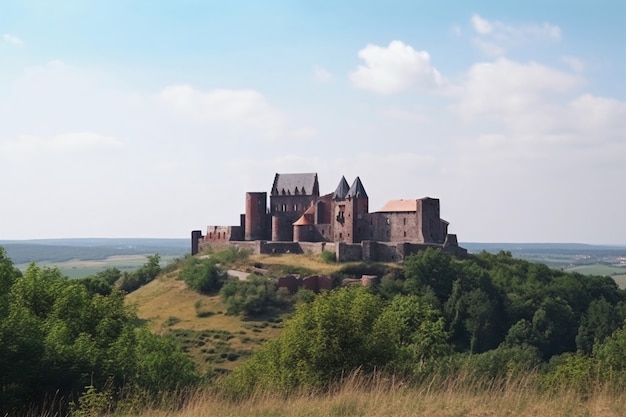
(152, 118)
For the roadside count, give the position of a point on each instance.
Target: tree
(599, 322)
(431, 268)
(203, 275)
(341, 331)
(56, 337)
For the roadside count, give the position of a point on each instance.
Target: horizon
(461, 243)
(512, 114)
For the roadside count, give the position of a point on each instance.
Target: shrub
(329, 257)
(203, 275)
(251, 297)
(229, 255)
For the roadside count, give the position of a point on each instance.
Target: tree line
(491, 314)
(59, 336)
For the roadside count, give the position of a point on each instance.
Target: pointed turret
(342, 189)
(357, 190)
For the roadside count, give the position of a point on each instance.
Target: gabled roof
(342, 189)
(395, 206)
(357, 190)
(295, 184)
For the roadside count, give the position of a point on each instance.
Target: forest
(76, 346)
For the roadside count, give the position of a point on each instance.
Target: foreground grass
(379, 396)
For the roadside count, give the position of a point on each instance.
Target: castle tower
(256, 225)
(349, 211)
(291, 196)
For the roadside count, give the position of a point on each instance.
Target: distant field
(77, 268)
(620, 280)
(597, 269)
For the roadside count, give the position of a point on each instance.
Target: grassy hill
(217, 341)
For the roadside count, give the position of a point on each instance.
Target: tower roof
(296, 184)
(342, 189)
(306, 218)
(357, 190)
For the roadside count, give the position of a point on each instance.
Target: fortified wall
(300, 220)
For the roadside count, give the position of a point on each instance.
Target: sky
(153, 118)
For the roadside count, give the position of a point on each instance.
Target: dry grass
(368, 397)
(311, 262)
(166, 298)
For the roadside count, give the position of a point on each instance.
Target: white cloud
(13, 40)
(495, 37)
(514, 93)
(238, 108)
(322, 75)
(395, 68)
(481, 25)
(590, 113)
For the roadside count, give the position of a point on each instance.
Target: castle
(299, 220)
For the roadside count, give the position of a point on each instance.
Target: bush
(229, 255)
(251, 297)
(339, 332)
(129, 282)
(203, 275)
(329, 257)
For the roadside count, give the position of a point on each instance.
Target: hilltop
(214, 339)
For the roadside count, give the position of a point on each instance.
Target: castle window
(388, 221)
(210, 235)
(284, 207)
(295, 207)
(404, 234)
(405, 221)
(340, 235)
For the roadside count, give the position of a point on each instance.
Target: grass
(376, 396)
(597, 269)
(170, 307)
(77, 268)
(288, 260)
(620, 280)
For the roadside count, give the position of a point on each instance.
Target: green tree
(56, 337)
(129, 282)
(254, 296)
(599, 322)
(409, 331)
(341, 331)
(431, 268)
(203, 275)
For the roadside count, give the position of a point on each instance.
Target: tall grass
(380, 395)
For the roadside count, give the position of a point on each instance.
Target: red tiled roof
(399, 206)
